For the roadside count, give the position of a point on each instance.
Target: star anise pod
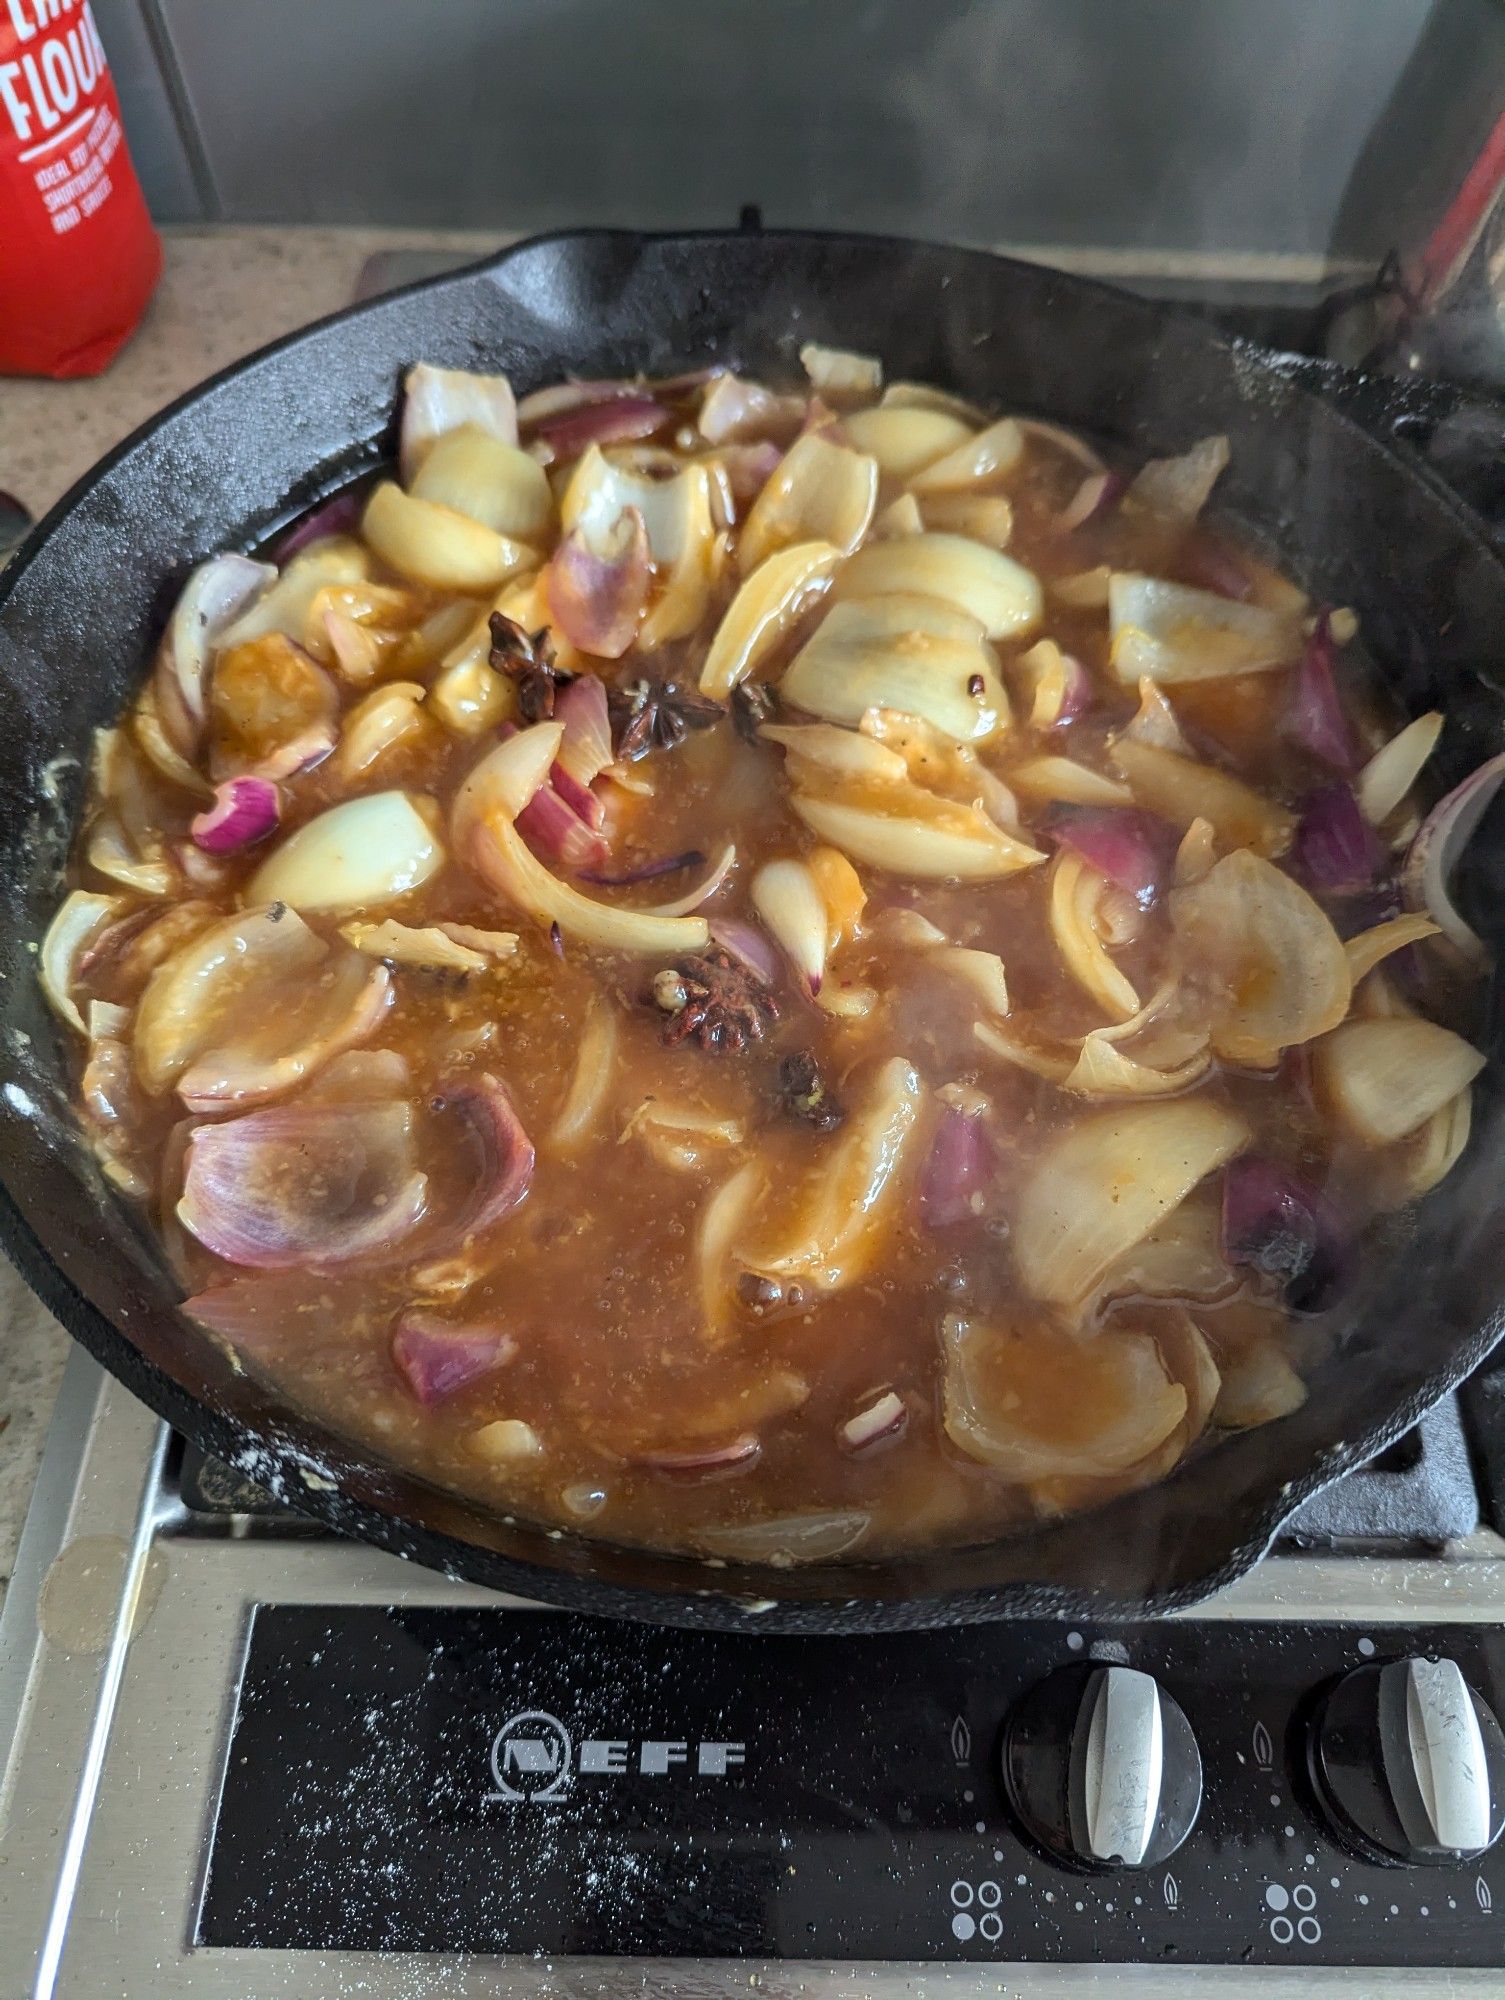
(528, 657)
(715, 1000)
(656, 715)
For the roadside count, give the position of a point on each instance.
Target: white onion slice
(1179, 488)
(838, 372)
(1034, 1404)
(786, 897)
(367, 851)
(991, 587)
(1384, 1078)
(436, 400)
(1273, 968)
(1394, 769)
(770, 602)
(789, 1540)
(1105, 1183)
(79, 920)
(1170, 632)
(215, 596)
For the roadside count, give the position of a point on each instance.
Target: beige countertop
(224, 293)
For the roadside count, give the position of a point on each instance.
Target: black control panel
(493, 1780)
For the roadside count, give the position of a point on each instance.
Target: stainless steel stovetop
(131, 1625)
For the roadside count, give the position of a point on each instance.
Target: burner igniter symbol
(961, 1741)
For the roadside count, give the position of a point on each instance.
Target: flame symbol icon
(1172, 1892)
(1481, 1890)
(1264, 1749)
(961, 1741)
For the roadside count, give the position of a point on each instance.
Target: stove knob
(1409, 1763)
(1101, 1768)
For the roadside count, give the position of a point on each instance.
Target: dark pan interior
(1349, 513)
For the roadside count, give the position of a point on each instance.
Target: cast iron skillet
(1353, 516)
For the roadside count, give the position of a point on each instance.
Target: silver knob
(1122, 1766)
(1102, 1768)
(1432, 1749)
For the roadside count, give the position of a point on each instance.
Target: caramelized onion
(1335, 846)
(214, 597)
(505, 1166)
(1316, 719)
(1283, 1227)
(1384, 1078)
(958, 1175)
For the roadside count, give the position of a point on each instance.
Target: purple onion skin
(1132, 848)
(1335, 846)
(647, 871)
(1280, 1225)
(1316, 718)
(335, 516)
(437, 1358)
(957, 1176)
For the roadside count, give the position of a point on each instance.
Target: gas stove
(250, 1761)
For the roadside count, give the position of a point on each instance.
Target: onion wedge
(831, 1224)
(1032, 1404)
(1104, 1184)
(250, 1007)
(369, 850)
(822, 492)
(991, 587)
(79, 920)
(1183, 791)
(1393, 770)
(1274, 969)
(768, 605)
(1384, 1078)
(1169, 632)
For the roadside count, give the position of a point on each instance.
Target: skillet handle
(1442, 429)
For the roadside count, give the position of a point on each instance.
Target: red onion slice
(339, 515)
(597, 599)
(560, 398)
(1097, 495)
(1278, 1224)
(1211, 566)
(301, 754)
(505, 1167)
(244, 810)
(437, 1358)
(586, 749)
(258, 1314)
(746, 942)
(1316, 719)
(705, 1462)
(959, 1172)
(1131, 847)
(881, 1424)
(303, 1184)
(1335, 846)
(1438, 848)
(214, 597)
(749, 467)
(556, 832)
(620, 420)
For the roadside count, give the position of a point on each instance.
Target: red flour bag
(78, 255)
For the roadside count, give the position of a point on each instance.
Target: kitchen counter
(224, 293)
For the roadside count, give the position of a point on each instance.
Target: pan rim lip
(721, 1601)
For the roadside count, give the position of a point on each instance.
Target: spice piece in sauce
(753, 704)
(528, 657)
(725, 1005)
(803, 1092)
(657, 715)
